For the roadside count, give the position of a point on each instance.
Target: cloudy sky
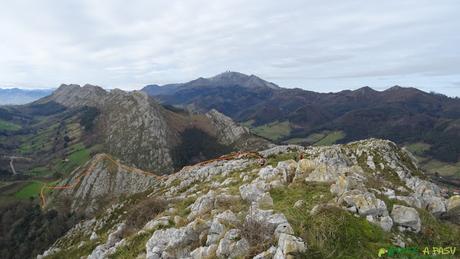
(317, 45)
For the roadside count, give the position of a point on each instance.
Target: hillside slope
(343, 201)
(128, 125)
(97, 184)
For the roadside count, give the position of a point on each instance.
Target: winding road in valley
(12, 158)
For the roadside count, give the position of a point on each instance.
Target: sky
(324, 45)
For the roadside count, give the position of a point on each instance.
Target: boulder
(283, 228)
(232, 245)
(406, 217)
(202, 205)
(175, 242)
(215, 233)
(365, 202)
(251, 192)
(268, 254)
(204, 252)
(304, 168)
(289, 246)
(287, 170)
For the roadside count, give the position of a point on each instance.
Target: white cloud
(316, 45)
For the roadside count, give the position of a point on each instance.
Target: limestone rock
(288, 245)
(202, 205)
(232, 245)
(406, 217)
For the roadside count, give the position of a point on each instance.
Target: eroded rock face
(229, 131)
(102, 180)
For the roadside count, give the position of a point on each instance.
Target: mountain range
(404, 115)
(213, 168)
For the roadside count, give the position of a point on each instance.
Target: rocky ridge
(277, 204)
(100, 181)
(136, 128)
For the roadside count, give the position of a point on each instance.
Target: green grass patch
(75, 251)
(30, 190)
(330, 138)
(9, 126)
(79, 156)
(247, 124)
(418, 148)
(443, 168)
(274, 131)
(39, 171)
(333, 232)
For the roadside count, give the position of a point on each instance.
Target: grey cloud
(313, 44)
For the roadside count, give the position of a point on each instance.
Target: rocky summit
(340, 201)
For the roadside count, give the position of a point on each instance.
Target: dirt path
(12, 166)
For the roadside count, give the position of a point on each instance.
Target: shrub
(144, 211)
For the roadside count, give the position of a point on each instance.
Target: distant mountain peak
(232, 78)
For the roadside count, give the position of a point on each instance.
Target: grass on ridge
(6, 125)
(274, 130)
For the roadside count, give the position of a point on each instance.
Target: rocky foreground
(284, 202)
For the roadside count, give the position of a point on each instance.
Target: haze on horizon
(315, 45)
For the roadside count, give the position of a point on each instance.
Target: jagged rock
(253, 191)
(204, 252)
(215, 233)
(365, 202)
(304, 168)
(435, 205)
(276, 150)
(287, 170)
(202, 205)
(346, 183)
(227, 217)
(113, 241)
(283, 228)
(288, 245)
(406, 217)
(232, 245)
(229, 131)
(104, 179)
(269, 173)
(93, 236)
(173, 242)
(322, 174)
(266, 217)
